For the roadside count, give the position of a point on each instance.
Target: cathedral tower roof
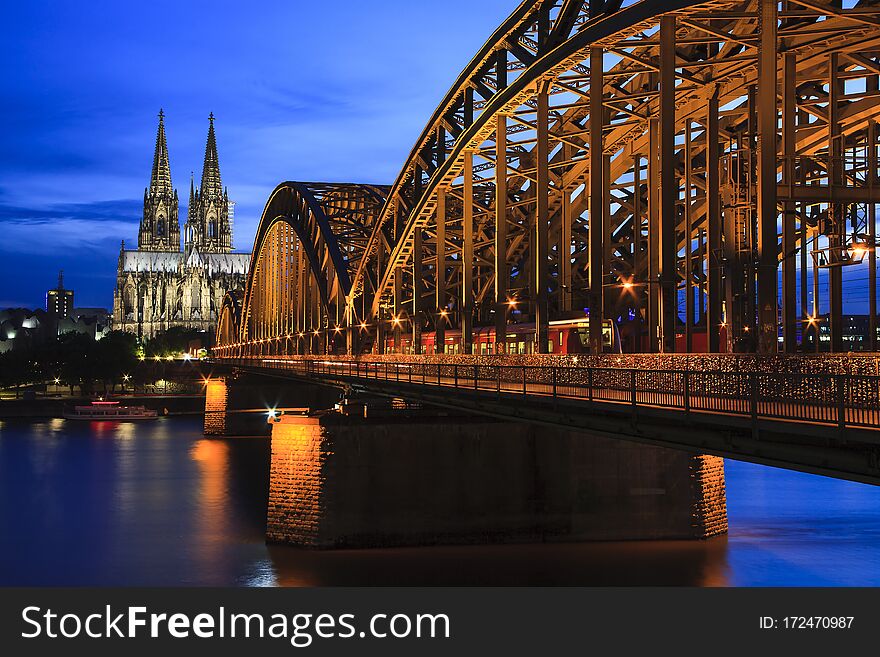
(160, 178)
(211, 183)
(160, 227)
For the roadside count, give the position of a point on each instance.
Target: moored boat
(110, 410)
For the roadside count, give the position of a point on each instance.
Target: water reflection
(159, 504)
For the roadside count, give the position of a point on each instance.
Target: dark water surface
(158, 504)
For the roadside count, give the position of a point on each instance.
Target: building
(94, 322)
(23, 328)
(160, 285)
(855, 335)
(59, 302)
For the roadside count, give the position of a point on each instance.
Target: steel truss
(681, 167)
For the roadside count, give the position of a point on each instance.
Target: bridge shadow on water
(633, 563)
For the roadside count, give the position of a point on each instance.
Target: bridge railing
(836, 399)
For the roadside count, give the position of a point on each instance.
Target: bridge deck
(837, 400)
(822, 423)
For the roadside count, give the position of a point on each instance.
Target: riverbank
(49, 407)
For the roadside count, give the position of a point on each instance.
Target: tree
(173, 341)
(116, 356)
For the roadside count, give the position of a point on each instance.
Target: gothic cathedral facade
(160, 285)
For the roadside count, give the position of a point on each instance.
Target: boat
(110, 410)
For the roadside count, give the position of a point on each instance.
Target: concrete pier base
(338, 481)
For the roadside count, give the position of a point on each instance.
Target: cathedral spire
(211, 184)
(209, 228)
(160, 179)
(160, 228)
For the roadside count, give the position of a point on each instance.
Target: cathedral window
(212, 228)
(160, 227)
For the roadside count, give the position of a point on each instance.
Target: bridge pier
(342, 481)
(237, 404)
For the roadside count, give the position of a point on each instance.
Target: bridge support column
(836, 228)
(340, 481)
(417, 274)
(441, 316)
(715, 267)
(789, 234)
(501, 271)
(669, 190)
(768, 242)
(652, 284)
(467, 256)
(540, 235)
(598, 201)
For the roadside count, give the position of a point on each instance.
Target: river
(124, 504)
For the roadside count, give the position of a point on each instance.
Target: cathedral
(159, 285)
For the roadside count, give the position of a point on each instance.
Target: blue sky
(300, 93)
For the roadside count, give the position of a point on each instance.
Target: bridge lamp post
(396, 323)
(813, 322)
(336, 331)
(506, 309)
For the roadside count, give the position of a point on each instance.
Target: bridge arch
(228, 330)
(297, 294)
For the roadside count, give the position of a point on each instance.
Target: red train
(565, 337)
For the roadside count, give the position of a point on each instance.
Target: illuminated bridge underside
(680, 166)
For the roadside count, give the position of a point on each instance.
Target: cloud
(98, 211)
(62, 228)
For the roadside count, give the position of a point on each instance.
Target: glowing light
(337, 330)
(511, 303)
(746, 329)
(301, 334)
(125, 377)
(141, 358)
(396, 321)
(363, 326)
(444, 312)
(57, 380)
(317, 332)
(169, 357)
(186, 357)
(158, 358)
(627, 285)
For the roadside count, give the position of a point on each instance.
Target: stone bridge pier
(346, 480)
(237, 404)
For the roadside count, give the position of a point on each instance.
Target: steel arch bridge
(681, 167)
